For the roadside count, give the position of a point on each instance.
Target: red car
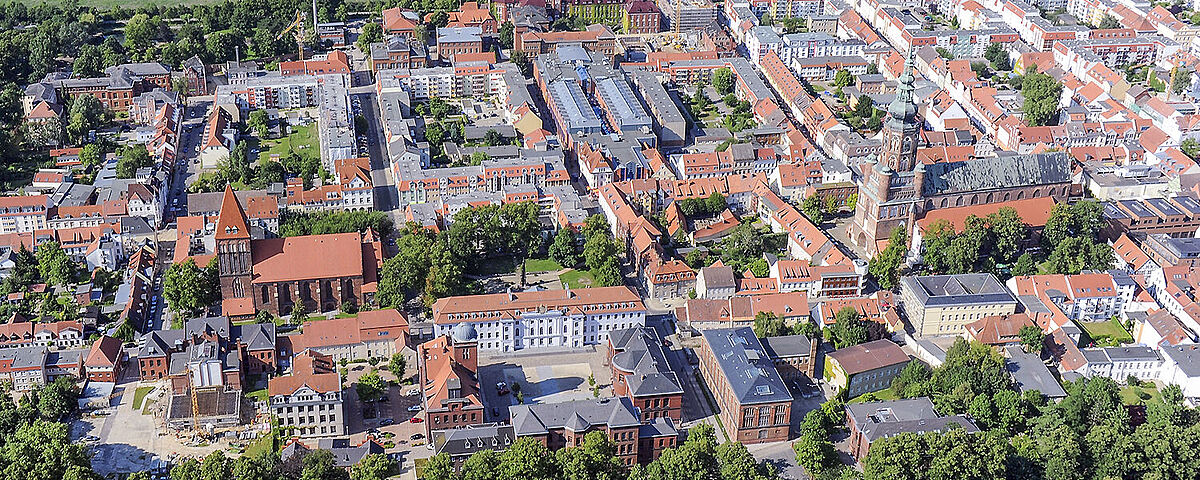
(415, 420)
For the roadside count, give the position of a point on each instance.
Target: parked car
(414, 408)
(501, 388)
(91, 438)
(415, 420)
(385, 422)
(417, 436)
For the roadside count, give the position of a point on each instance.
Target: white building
(551, 318)
(1118, 363)
(310, 399)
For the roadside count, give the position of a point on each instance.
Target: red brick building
(448, 371)
(641, 16)
(321, 272)
(120, 84)
(453, 41)
(755, 404)
(103, 362)
(641, 373)
(561, 425)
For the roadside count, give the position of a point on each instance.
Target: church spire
(903, 109)
(231, 221)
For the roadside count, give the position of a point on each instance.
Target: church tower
(233, 248)
(890, 192)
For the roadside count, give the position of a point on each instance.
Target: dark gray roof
(745, 365)
(1030, 373)
(878, 420)
(658, 427)
(968, 288)
(199, 326)
(344, 453)
(640, 352)
(577, 416)
(997, 172)
(24, 357)
(160, 342)
(256, 336)
(1186, 356)
(462, 442)
(787, 346)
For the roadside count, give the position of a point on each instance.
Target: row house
(23, 213)
(55, 335)
(27, 368)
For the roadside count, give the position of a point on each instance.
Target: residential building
(641, 17)
(561, 425)
(370, 334)
(865, 368)
(1181, 366)
(1120, 363)
(1164, 249)
(945, 304)
(753, 400)
(1087, 297)
(398, 22)
(309, 400)
(565, 318)
(346, 454)
(872, 421)
(715, 282)
(596, 38)
(23, 213)
(688, 15)
(642, 373)
(27, 368)
(105, 360)
(447, 369)
(998, 330)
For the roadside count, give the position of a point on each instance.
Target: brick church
(273, 274)
(897, 189)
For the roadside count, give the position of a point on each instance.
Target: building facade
(753, 400)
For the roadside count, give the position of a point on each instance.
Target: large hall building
(897, 188)
(321, 272)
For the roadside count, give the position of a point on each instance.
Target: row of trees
(34, 437)
(700, 457)
(315, 465)
(320, 223)
(1070, 243)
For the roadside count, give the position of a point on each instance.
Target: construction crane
(297, 30)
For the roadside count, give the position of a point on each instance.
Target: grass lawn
(139, 395)
(264, 444)
(257, 395)
(303, 141)
(886, 394)
(1146, 393)
(577, 279)
(535, 265)
(1107, 333)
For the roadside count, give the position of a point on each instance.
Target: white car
(414, 408)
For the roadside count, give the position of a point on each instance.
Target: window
(748, 418)
(780, 414)
(764, 416)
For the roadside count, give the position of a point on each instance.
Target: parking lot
(542, 378)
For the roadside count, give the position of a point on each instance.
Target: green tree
(86, 114)
(848, 329)
(768, 324)
(885, 267)
(609, 273)
(408, 270)
(506, 35)
(89, 62)
(57, 399)
(813, 208)
(597, 250)
(563, 249)
(843, 78)
(722, 80)
(258, 121)
(1109, 22)
(371, 33)
(55, 267)
(815, 455)
(865, 106)
(1190, 147)
(132, 158)
(480, 466)
(371, 387)
(1026, 265)
(215, 466)
(998, 57)
(188, 288)
(319, 465)
(397, 365)
(1041, 93)
(140, 32)
(374, 466)
(1181, 80)
(594, 459)
(528, 459)
(1032, 338)
(440, 467)
(1007, 230)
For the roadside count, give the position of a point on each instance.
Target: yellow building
(945, 304)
